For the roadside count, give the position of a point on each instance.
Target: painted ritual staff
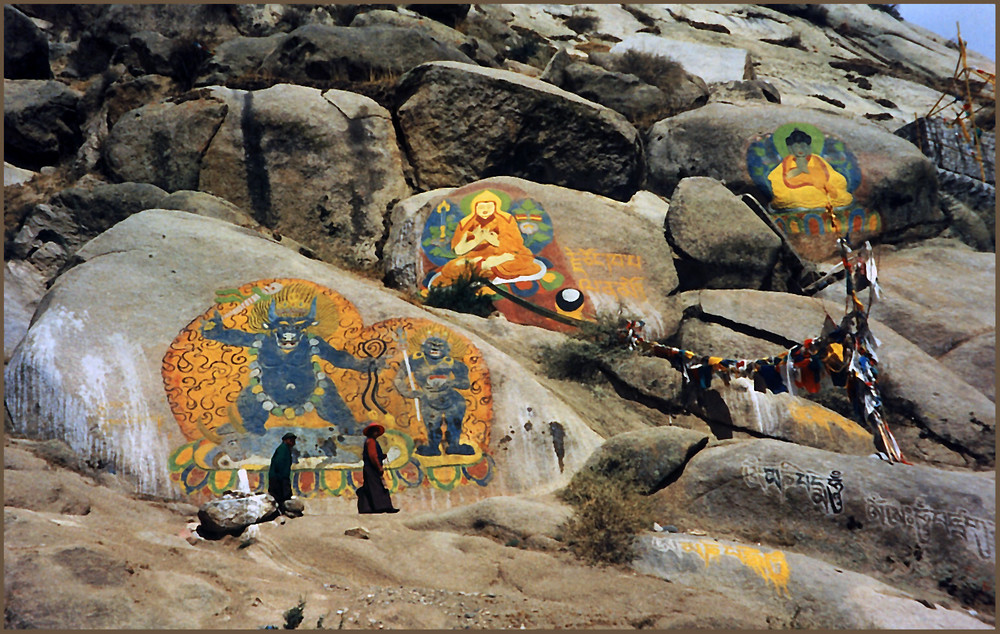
(279, 474)
(373, 496)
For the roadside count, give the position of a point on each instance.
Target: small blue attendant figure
(436, 379)
(285, 379)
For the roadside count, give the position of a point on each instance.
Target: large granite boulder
(782, 416)
(163, 143)
(921, 529)
(937, 418)
(528, 520)
(124, 395)
(647, 459)
(475, 48)
(719, 241)
(53, 231)
(641, 102)
(315, 54)
(23, 286)
(796, 590)
(41, 122)
(578, 255)
(712, 63)
(236, 62)
(296, 158)
(179, 58)
(462, 123)
(25, 48)
(14, 176)
(941, 297)
(878, 184)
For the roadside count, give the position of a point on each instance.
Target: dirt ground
(81, 552)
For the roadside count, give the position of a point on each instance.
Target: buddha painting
(805, 180)
(811, 182)
(489, 241)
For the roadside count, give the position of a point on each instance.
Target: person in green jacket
(279, 474)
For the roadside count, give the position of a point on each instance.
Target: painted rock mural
(500, 233)
(811, 182)
(280, 355)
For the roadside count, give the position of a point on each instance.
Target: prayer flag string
(844, 353)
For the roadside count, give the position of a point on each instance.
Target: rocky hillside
(540, 245)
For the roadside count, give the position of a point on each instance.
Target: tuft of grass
(581, 22)
(655, 70)
(463, 296)
(891, 9)
(583, 356)
(609, 514)
(293, 616)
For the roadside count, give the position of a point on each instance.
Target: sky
(978, 23)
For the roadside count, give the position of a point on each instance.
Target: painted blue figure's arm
(461, 378)
(341, 359)
(214, 330)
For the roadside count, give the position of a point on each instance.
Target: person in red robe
(373, 496)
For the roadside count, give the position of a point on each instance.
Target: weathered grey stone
(315, 55)
(476, 49)
(109, 31)
(462, 123)
(975, 361)
(516, 37)
(621, 92)
(206, 205)
(900, 181)
(937, 295)
(929, 406)
(41, 122)
(895, 522)
(14, 175)
(582, 223)
(967, 225)
(679, 90)
(795, 590)
(782, 416)
(52, 232)
(720, 241)
(716, 340)
(647, 459)
(164, 143)
(298, 159)
(652, 379)
(295, 507)
(235, 511)
(499, 517)
(25, 48)
(941, 296)
(236, 62)
(744, 91)
(71, 365)
(153, 51)
(711, 63)
(450, 14)
(23, 286)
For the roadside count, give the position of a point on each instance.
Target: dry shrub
(655, 70)
(581, 22)
(583, 356)
(463, 296)
(610, 513)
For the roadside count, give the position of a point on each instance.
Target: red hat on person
(374, 430)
